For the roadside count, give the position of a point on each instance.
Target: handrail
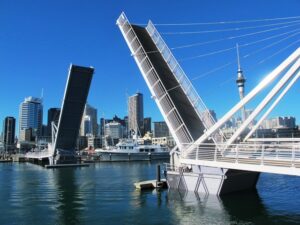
(277, 154)
(201, 109)
(121, 22)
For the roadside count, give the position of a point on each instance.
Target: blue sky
(39, 40)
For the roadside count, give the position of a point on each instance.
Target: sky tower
(240, 82)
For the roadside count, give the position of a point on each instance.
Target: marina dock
(151, 184)
(67, 165)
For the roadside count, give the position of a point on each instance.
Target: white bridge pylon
(199, 138)
(294, 67)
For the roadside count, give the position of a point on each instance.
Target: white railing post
(215, 156)
(236, 153)
(293, 156)
(262, 154)
(197, 152)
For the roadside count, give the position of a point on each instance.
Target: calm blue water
(104, 194)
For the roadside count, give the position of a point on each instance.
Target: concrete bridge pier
(211, 180)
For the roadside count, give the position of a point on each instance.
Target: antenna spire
(238, 56)
(240, 81)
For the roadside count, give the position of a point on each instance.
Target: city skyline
(31, 46)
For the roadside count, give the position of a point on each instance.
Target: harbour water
(104, 194)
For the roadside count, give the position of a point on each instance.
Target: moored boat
(131, 150)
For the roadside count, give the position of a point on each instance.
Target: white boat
(131, 150)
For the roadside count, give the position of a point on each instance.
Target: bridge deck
(75, 96)
(39, 154)
(271, 158)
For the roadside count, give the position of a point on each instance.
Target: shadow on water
(69, 199)
(239, 208)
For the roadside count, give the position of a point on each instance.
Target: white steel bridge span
(204, 160)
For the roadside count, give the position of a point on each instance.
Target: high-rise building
(208, 114)
(94, 142)
(104, 121)
(279, 122)
(147, 125)
(53, 116)
(161, 129)
(101, 125)
(126, 128)
(9, 126)
(30, 116)
(114, 130)
(136, 113)
(91, 112)
(87, 126)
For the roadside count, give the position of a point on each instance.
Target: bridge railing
(200, 107)
(287, 154)
(39, 154)
(156, 86)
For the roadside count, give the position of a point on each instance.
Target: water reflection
(104, 194)
(69, 199)
(192, 208)
(238, 208)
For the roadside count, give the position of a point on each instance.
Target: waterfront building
(119, 120)
(136, 113)
(126, 128)
(91, 113)
(53, 116)
(277, 133)
(208, 113)
(1, 147)
(114, 130)
(160, 129)
(279, 122)
(116, 119)
(82, 142)
(30, 117)
(87, 126)
(9, 126)
(102, 124)
(94, 142)
(166, 141)
(147, 125)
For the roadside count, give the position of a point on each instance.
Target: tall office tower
(114, 130)
(53, 115)
(92, 113)
(101, 125)
(30, 117)
(9, 126)
(240, 82)
(87, 126)
(126, 128)
(209, 113)
(161, 129)
(136, 113)
(147, 125)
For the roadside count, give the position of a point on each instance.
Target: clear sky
(39, 39)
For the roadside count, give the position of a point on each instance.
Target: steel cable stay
(223, 22)
(281, 50)
(230, 38)
(249, 68)
(221, 153)
(293, 33)
(227, 29)
(242, 45)
(234, 61)
(272, 44)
